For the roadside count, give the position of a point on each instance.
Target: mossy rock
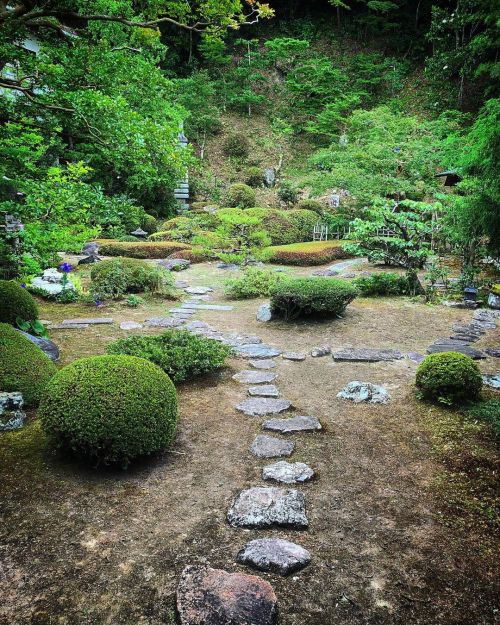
(110, 409)
(23, 366)
(449, 378)
(16, 302)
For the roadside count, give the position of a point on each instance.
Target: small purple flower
(65, 267)
(98, 302)
(23, 286)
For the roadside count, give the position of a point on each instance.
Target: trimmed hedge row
(141, 249)
(312, 253)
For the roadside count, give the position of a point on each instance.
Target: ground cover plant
(116, 277)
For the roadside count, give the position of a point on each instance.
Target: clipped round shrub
(118, 276)
(449, 378)
(16, 302)
(311, 205)
(254, 177)
(149, 223)
(237, 145)
(240, 195)
(110, 409)
(253, 282)
(23, 366)
(287, 193)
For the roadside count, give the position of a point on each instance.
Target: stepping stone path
(297, 356)
(262, 406)
(254, 377)
(198, 290)
(90, 321)
(274, 555)
(367, 355)
(264, 390)
(130, 325)
(292, 425)
(257, 351)
(270, 447)
(207, 596)
(364, 391)
(269, 507)
(162, 322)
(263, 364)
(288, 472)
(323, 350)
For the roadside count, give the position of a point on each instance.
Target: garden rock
(274, 555)
(492, 351)
(451, 346)
(265, 390)
(364, 391)
(319, 352)
(288, 472)
(12, 417)
(50, 283)
(181, 284)
(264, 313)
(198, 290)
(97, 321)
(254, 377)
(494, 301)
(47, 346)
(327, 273)
(262, 406)
(262, 364)
(296, 356)
(162, 322)
(270, 447)
(367, 355)
(175, 264)
(269, 177)
(90, 248)
(218, 307)
(267, 507)
(257, 351)
(89, 260)
(228, 266)
(293, 424)
(207, 596)
(493, 381)
(415, 357)
(130, 325)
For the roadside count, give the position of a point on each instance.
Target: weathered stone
(262, 364)
(198, 290)
(228, 266)
(270, 447)
(264, 313)
(415, 357)
(493, 381)
(175, 264)
(254, 377)
(50, 283)
(181, 284)
(296, 356)
(323, 350)
(47, 346)
(268, 507)
(327, 273)
(89, 260)
(197, 325)
(364, 391)
(52, 275)
(130, 325)
(219, 307)
(275, 555)
(492, 351)
(269, 177)
(494, 301)
(90, 248)
(162, 322)
(97, 321)
(257, 351)
(207, 596)
(461, 349)
(348, 275)
(262, 406)
(288, 472)
(293, 424)
(182, 311)
(265, 390)
(12, 417)
(367, 355)
(68, 326)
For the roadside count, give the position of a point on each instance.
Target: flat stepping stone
(207, 596)
(218, 307)
(68, 326)
(367, 355)
(254, 377)
(182, 311)
(262, 406)
(493, 381)
(181, 284)
(415, 357)
(364, 392)
(270, 447)
(198, 290)
(274, 555)
(491, 351)
(265, 364)
(297, 356)
(268, 507)
(288, 472)
(162, 322)
(322, 350)
(89, 321)
(251, 350)
(293, 424)
(265, 390)
(130, 325)
(438, 348)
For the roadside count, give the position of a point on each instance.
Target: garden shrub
(140, 249)
(449, 378)
(286, 226)
(322, 297)
(237, 145)
(312, 253)
(240, 195)
(253, 282)
(149, 223)
(302, 224)
(383, 284)
(311, 205)
(110, 409)
(118, 276)
(23, 366)
(286, 193)
(254, 177)
(195, 255)
(16, 302)
(162, 235)
(179, 353)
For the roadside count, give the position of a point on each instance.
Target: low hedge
(23, 366)
(116, 277)
(253, 282)
(110, 409)
(383, 283)
(312, 253)
(16, 302)
(140, 249)
(300, 297)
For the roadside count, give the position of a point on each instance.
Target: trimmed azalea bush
(382, 284)
(179, 353)
(252, 282)
(116, 277)
(110, 409)
(240, 195)
(140, 249)
(16, 302)
(286, 226)
(302, 297)
(311, 253)
(449, 378)
(254, 177)
(23, 366)
(237, 145)
(149, 223)
(311, 205)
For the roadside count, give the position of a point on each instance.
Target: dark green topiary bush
(240, 195)
(237, 145)
(383, 284)
(110, 409)
(449, 378)
(149, 223)
(322, 297)
(23, 366)
(16, 302)
(114, 278)
(179, 353)
(311, 205)
(254, 177)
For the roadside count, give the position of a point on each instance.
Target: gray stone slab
(162, 322)
(366, 355)
(257, 351)
(493, 381)
(217, 307)
(297, 356)
(293, 424)
(415, 357)
(264, 313)
(268, 507)
(274, 555)
(364, 392)
(288, 472)
(271, 447)
(12, 416)
(492, 351)
(184, 312)
(89, 321)
(198, 290)
(47, 346)
(254, 377)
(130, 325)
(461, 349)
(68, 326)
(262, 364)
(181, 284)
(264, 390)
(322, 350)
(262, 406)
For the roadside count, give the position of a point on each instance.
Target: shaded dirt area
(80, 547)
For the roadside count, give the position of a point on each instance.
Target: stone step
(88, 321)
(254, 377)
(268, 507)
(265, 390)
(271, 447)
(274, 555)
(218, 307)
(293, 424)
(288, 472)
(262, 406)
(366, 354)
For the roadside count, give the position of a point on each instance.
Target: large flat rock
(438, 348)
(293, 424)
(274, 555)
(264, 390)
(254, 377)
(262, 406)
(493, 351)
(364, 392)
(90, 321)
(288, 472)
(253, 351)
(219, 307)
(198, 290)
(366, 354)
(47, 346)
(268, 507)
(263, 364)
(207, 596)
(162, 322)
(270, 447)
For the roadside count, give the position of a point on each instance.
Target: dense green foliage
(23, 366)
(179, 353)
(313, 253)
(16, 303)
(449, 378)
(488, 411)
(382, 284)
(302, 297)
(114, 278)
(240, 195)
(110, 409)
(253, 282)
(141, 249)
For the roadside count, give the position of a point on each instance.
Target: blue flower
(98, 302)
(66, 267)
(23, 286)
